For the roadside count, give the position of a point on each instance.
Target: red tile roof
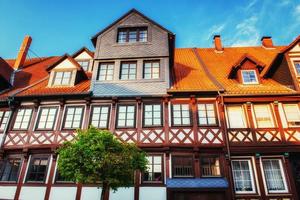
(190, 74)
(33, 77)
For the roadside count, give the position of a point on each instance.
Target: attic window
(297, 67)
(249, 77)
(62, 78)
(134, 34)
(84, 64)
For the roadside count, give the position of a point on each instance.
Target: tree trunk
(105, 191)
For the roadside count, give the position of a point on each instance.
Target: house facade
(216, 123)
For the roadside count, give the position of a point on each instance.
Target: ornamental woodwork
(181, 136)
(208, 136)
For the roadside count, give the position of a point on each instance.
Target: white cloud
(250, 5)
(246, 33)
(215, 29)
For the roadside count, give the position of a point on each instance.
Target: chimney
(218, 43)
(266, 41)
(22, 52)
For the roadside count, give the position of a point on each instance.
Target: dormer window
(133, 34)
(297, 67)
(62, 78)
(249, 77)
(84, 64)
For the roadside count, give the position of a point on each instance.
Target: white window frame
(252, 175)
(243, 113)
(30, 118)
(4, 117)
(108, 115)
(294, 61)
(61, 83)
(270, 115)
(65, 112)
(249, 83)
(280, 159)
(37, 120)
(106, 64)
(285, 114)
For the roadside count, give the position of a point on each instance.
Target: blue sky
(64, 26)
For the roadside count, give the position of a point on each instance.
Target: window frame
(252, 176)
(183, 156)
(215, 111)
(244, 113)
(285, 114)
(108, 115)
(65, 116)
(129, 63)
(39, 117)
(172, 115)
(16, 115)
(255, 74)
(271, 113)
(151, 69)
(62, 71)
(131, 29)
(31, 160)
(295, 62)
(283, 174)
(161, 115)
(3, 117)
(6, 159)
(99, 70)
(162, 171)
(117, 116)
(79, 61)
(210, 156)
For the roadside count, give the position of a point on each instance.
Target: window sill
(152, 184)
(130, 81)
(131, 44)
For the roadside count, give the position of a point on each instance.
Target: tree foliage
(96, 156)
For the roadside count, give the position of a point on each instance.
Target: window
(182, 166)
(152, 115)
(62, 78)
(181, 114)
(249, 77)
(292, 114)
(236, 117)
(132, 35)
(100, 115)
(4, 116)
(9, 169)
(274, 175)
(210, 166)
(207, 114)
(154, 170)
(243, 176)
(297, 67)
(106, 72)
(126, 116)
(84, 64)
(73, 117)
(128, 70)
(263, 116)
(37, 170)
(23, 118)
(151, 69)
(47, 116)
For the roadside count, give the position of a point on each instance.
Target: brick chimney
(266, 41)
(218, 43)
(22, 52)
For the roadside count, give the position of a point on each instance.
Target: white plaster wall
(122, 194)
(295, 48)
(1, 138)
(90, 193)
(65, 193)
(32, 193)
(153, 193)
(66, 64)
(83, 56)
(7, 192)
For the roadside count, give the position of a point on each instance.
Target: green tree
(96, 156)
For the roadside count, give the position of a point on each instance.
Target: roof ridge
(209, 75)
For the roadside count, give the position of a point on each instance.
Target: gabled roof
(94, 38)
(259, 65)
(82, 50)
(64, 57)
(290, 46)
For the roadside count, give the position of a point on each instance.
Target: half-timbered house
(216, 123)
